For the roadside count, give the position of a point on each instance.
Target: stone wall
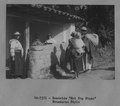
(43, 57)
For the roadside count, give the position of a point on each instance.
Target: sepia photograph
(53, 41)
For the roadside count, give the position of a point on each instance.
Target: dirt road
(103, 66)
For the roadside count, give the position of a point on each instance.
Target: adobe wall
(51, 53)
(48, 55)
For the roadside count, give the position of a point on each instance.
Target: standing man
(91, 40)
(88, 59)
(16, 56)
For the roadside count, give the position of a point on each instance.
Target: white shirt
(15, 45)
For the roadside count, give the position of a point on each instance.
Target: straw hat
(84, 28)
(17, 34)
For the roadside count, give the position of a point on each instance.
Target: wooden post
(27, 38)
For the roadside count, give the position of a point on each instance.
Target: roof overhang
(43, 12)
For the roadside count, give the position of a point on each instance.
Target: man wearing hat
(83, 31)
(88, 59)
(16, 55)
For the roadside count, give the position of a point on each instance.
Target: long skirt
(76, 63)
(17, 65)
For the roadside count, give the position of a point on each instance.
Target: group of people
(78, 53)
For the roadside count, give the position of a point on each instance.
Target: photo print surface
(60, 41)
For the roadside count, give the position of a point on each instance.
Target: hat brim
(16, 35)
(83, 30)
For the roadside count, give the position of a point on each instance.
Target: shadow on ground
(107, 69)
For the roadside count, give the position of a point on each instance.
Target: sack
(77, 43)
(93, 38)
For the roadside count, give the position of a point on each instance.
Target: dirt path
(107, 73)
(103, 67)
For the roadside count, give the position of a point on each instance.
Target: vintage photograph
(60, 41)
